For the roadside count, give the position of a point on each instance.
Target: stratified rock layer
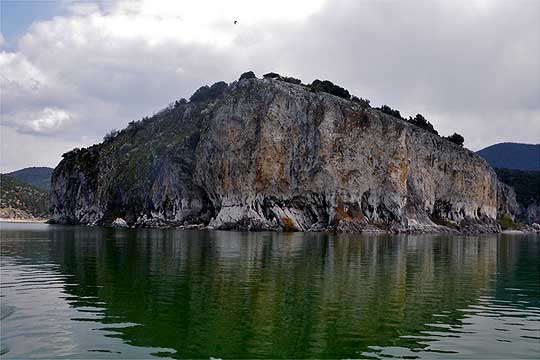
(271, 155)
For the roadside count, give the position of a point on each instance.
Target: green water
(83, 292)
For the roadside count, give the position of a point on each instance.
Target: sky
(71, 71)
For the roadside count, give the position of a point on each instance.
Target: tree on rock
(111, 135)
(218, 88)
(180, 102)
(291, 80)
(330, 88)
(361, 101)
(392, 112)
(271, 75)
(248, 75)
(206, 92)
(421, 121)
(456, 139)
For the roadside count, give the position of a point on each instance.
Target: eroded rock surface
(269, 155)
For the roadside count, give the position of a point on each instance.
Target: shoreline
(523, 231)
(24, 220)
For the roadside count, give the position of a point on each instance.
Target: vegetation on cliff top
(208, 93)
(336, 90)
(455, 138)
(16, 194)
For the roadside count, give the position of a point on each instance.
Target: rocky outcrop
(526, 184)
(531, 213)
(119, 223)
(269, 155)
(15, 214)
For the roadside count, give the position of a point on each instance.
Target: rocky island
(274, 154)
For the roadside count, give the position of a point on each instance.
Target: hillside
(526, 184)
(37, 176)
(268, 154)
(512, 156)
(22, 200)
(518, 165)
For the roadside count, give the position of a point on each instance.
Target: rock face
(526, 184)
(531, 213)
(269, 155)
(15, 214)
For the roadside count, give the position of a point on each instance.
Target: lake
(92, 292)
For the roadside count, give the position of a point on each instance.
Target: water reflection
(248, 295)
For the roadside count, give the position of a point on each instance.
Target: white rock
(512, 232)
(119, 222)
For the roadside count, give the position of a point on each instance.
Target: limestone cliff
(267, 154)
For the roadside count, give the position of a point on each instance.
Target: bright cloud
(48, 121)
(51, 120)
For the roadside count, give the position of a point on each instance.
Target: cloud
(18, 150)
(49, 121)
(468, 67)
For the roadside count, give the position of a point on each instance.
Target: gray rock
(119, 222)
(531, 213)
(269, 155)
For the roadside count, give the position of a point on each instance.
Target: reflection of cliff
(519, 270)
(273, 295)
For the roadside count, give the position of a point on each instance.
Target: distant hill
(526, 183)
(512, 156)
(37, 176)
(22, 200)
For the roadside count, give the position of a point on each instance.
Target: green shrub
(455, 138)
(206, 92)
(248, 75)
(110, 135)
(362, 102)
(271, 75)
(290, 80)
(201, 94)
(392, 112)
(421, 122)
(330, 88)
(506, 222)
(180, 102)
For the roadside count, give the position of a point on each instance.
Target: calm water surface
(82, 292)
